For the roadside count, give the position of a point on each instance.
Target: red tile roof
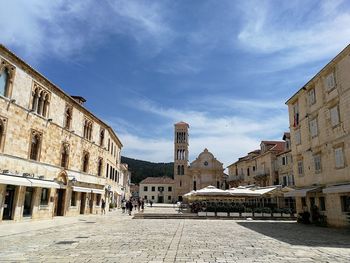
(158, 180)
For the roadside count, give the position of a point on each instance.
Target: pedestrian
(123, 206)
(103, 207)
(138, 204)
(151, 203)
(130, 207)
(134, 203)
(142, 205)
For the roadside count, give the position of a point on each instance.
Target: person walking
(103, 207)
(123, 206)
(151, 203)
(142, 205)
(130, 207)
(138, 204)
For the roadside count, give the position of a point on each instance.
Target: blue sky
(224, 67)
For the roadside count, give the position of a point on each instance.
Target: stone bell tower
(181, 159)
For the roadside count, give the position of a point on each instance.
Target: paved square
(118, 238)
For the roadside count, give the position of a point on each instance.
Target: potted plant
(248, 212)
(277, 212)
(234, 211)
(287, 212)
(266, 211)
(258, 212)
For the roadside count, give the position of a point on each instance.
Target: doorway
(160, 199)
(91, 204)
(9, 202)
(28, 198)
(59, 207)
(82, 202)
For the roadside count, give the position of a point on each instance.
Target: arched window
(35, 99)
(65, 155)
(182, 169)
(87, 133)
(4, 79)
(195, 185)
(45, 105)
(85, 162)
(102, 137)
(99, 167)
(35, 146)
(68, 118)
(178, 170)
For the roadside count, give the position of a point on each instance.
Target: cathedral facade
(205, 170)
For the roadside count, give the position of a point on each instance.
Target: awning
(44, 183)
(14, 180)
(98, 191)
(345, 188)
(87, 190)
(302, 192)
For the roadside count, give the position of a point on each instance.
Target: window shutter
(339, 158)
(334, 116)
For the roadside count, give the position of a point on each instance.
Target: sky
(225, 67)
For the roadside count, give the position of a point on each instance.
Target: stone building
(205, 170)
(259, 167)
(157, 189)
(284, 163)
(56, 157)
(320, 130)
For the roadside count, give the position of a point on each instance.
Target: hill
(142, 169)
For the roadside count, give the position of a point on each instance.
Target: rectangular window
(317, 162)
(152, 197)
(322, 203)
(313, 128)
(145, 188)
(248, 172)
(345, 203)
(312, 201)
(44, 200)
(107, 170)
(297, 137)
(73, 199)
(170, 189)
(153, 188)
(284, 160)
(339, 157)
(98, 199)
(334, 116)
(285, 183)
(330, 82)
(311, 97)
(300, 168)
(145, 197)
(296, 114)
(303, 201)
(169, 197)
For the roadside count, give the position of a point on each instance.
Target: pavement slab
(116, 237)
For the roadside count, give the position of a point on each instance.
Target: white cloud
(62, 28)
(227, 137)
(265, 30)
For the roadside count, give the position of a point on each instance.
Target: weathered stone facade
(56, 157)
(259, 167)
(205, 170)
(319, 125)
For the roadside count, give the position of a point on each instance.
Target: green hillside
(142, 169)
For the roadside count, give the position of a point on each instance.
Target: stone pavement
(116, 237)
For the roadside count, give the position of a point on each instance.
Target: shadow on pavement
(301, 235)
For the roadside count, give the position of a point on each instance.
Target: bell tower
(181, 159)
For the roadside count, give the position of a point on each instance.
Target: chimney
(79, 99)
